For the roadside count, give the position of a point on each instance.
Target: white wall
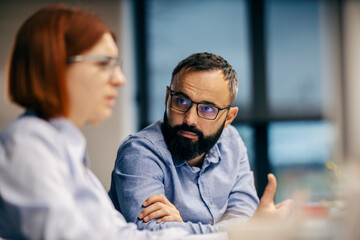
(103, 140)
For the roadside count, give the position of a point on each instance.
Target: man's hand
(267, 207)
(158, 206)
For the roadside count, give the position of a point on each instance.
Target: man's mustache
(187, 128)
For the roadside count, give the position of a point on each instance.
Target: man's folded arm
(137, 176)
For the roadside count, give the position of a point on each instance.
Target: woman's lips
(111, 100)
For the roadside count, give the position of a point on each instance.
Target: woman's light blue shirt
(47, 190)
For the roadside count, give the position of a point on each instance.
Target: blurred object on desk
(320, 220)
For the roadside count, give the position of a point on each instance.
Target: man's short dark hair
(207, 62)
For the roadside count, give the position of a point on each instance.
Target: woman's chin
(100, 117)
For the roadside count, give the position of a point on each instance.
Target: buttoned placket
(202, 184)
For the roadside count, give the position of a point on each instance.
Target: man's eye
(207, 109)
(182, 101)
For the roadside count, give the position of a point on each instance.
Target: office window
(294, 58)
(178, 28)
(300, 149)
(299, 152)
(247, 134)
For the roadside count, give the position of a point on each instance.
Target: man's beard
(185, 149)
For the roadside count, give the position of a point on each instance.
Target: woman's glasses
(107, 62)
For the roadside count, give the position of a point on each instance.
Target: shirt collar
(212, 157)
(73, 137)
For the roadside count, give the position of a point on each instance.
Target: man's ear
(166, 95)
(231, 116)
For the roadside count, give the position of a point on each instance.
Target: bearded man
(190, 169)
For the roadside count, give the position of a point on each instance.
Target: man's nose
(191, 116)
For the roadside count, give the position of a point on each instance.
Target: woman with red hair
(64, 72)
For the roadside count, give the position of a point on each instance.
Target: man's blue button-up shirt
(207, 198)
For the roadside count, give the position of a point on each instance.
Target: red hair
(37, 69)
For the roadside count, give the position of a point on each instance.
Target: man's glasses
(182, 104)
(106, 62)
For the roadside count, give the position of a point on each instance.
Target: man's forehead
(216, 75)
(209, 85)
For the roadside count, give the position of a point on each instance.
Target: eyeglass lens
(203, 110)
(110, 64)
(107, 62)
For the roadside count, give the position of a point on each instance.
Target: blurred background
(298, 78)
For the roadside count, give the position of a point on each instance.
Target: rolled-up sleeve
(136, 176)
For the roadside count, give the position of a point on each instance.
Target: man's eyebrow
(203, 102)
(209, 103)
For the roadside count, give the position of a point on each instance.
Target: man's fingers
(152, 208)
(158, 206)
(286, 208)
(288, 203)
(157, 198)
(171, 218)
(267, 208)
(269, 193)
(163, 213)
(156, 214)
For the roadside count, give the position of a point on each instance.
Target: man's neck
(198, 161)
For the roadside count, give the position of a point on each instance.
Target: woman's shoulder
(29, 127)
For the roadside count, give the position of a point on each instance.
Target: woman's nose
(118, 78)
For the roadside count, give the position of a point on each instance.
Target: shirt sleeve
(38, 201)
(243, 199)
(138, 175)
